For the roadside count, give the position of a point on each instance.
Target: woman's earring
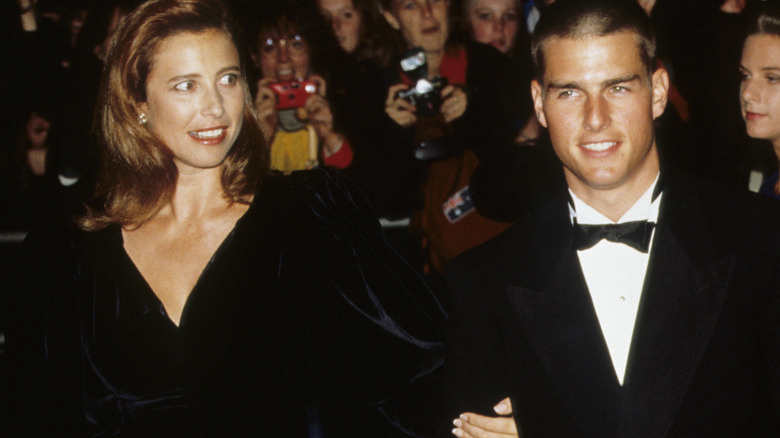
(143, 118)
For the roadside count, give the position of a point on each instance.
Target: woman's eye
(773, 79)
(410, 5)
(185, 86)
(510, 16)
(268, 46)
(347, 15)
(229, 79)
(485, 16)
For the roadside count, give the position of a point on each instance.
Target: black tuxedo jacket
(705, 353)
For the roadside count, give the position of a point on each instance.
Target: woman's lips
(499, 44)
(753, 116)
(431, 30)
(210, 135)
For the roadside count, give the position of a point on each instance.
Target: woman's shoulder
(323, 192)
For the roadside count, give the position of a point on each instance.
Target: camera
(292, 94)
(425, 95)
(433, 136)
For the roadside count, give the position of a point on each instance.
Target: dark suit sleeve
(475, 378)
(772, 347)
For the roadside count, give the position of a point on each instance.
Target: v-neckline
(221, 248)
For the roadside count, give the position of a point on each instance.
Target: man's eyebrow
(610, 82)
(563, 85)
(606, 84)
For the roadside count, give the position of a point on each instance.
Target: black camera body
(425, 95)
(433, 136)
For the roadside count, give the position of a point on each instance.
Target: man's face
(599, 104)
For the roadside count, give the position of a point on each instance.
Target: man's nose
(596, 114)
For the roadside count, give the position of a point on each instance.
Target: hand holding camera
(429, 104)
(293, 94)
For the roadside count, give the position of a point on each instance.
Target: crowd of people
(243, 214)
(326, 80)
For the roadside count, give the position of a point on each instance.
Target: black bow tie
(634, 234)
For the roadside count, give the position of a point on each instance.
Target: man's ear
(391, 20)
(538, 96)
(660, 81)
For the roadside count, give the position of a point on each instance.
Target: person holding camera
(290, 99)
(452, 101)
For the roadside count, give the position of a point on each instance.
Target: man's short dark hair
(589, 18)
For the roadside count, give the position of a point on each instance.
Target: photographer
(290, 99)
(440, 135)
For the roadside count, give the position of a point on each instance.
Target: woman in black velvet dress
(204, 295)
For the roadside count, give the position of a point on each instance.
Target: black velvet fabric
(302, 309)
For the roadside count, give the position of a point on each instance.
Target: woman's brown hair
(138, 175)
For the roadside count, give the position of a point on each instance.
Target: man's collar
(645, 208)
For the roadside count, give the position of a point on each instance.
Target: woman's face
(195, 98)
(282, 58)
(345, 21)
(494, 22)
(423, 23)
(37, 130)
(760, 88)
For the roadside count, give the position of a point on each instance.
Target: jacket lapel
(554, 312)
(685, 287)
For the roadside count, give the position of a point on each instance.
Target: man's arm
(474, 372)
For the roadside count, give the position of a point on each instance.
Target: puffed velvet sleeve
(369, 323)
(44, 381)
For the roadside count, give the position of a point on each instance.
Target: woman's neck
(197, 194)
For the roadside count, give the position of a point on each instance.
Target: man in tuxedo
(638, 301)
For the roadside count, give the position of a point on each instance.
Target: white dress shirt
(615, 274)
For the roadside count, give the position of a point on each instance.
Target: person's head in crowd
(289, 41)
(100, 22)
(37, 129)
(422, 23)
(494, 22)
(174, 98)
(598, 93)
(360, 29)
(760, 72)
(345, 19)
(33, 139)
